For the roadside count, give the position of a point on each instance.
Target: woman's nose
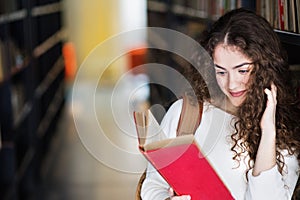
(232, 82)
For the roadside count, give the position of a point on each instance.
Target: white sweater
(213, 136)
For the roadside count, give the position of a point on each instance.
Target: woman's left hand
(266, 153)
(268, 120)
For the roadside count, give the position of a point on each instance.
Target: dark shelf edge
(288, 37)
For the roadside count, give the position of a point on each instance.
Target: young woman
(257, 142)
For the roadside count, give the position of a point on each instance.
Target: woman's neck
(226, 105)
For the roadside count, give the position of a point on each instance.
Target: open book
(179, 161)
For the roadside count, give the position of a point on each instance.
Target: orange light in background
(137, 57)
(69, 55)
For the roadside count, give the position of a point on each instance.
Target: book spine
(298, 14)
(292, 16)
(281, 14)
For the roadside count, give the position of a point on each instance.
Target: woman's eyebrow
(218, 66)
(235, 67)
(241, 65)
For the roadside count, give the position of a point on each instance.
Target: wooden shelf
(35, 12)
(32, 92)
(46, 9)
(13, 16)
(49, 43)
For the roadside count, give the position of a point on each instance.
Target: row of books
(216, 8)
(282, 14)
(202, 8)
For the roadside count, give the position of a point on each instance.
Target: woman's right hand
(173, 197)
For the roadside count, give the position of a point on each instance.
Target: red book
(283, 14)
(180, 162)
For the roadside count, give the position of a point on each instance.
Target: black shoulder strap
(190, 116)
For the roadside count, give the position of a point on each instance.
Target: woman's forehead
(225, 55)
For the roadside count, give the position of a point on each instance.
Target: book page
(148, 129)
(164, 143)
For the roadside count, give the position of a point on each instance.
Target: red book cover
(181, 163)
(281, 14)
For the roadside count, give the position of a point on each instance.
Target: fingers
(271, 94)
(183, 197)
(274, 92)
(268, 120)
(171, 192)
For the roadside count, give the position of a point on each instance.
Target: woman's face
(232, 72)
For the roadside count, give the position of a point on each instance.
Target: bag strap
(190, 116)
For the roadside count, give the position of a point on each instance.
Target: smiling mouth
(237, 94)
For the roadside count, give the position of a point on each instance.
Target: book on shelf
(281, 14)
(292, 16)
(179, 160)
(298, 15)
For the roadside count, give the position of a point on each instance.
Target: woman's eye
(243, 71)
(221, 73)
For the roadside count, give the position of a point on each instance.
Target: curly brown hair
(252, 35)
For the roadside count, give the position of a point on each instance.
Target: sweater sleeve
(271, 184)
(154, 186)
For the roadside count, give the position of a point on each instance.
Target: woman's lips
(237, 94)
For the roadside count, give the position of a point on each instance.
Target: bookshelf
(193, 17)
(31, 90)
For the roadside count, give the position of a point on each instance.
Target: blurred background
(71, 74)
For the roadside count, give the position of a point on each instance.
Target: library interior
(71, 74)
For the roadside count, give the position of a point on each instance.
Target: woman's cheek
(222, 83)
